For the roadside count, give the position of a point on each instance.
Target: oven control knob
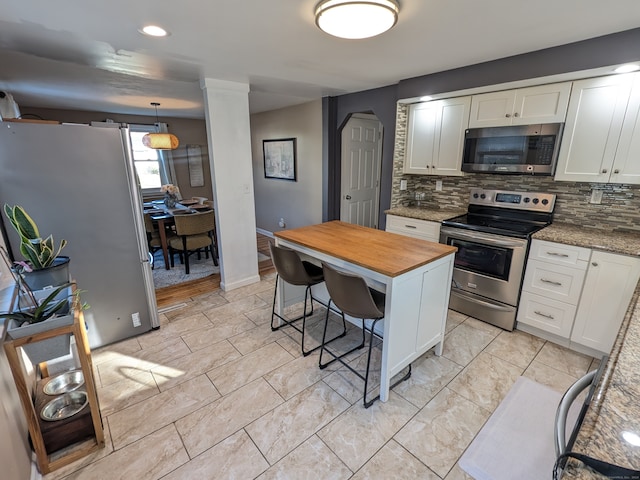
(527, 199)
(535, 201)
(545, 201)
(475, 195)
(483, 196)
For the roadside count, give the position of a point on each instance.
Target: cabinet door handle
(516, 114)
(595, 264)
(616, 171)
(410, 226)
(552, 282)
(555, 254)
(508, 115)
(545, 315)
(604, 170)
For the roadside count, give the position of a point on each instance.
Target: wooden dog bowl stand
(87, 439)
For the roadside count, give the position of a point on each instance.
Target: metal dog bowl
(64, 406)
(65, 382)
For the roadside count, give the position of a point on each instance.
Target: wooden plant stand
(72, 438)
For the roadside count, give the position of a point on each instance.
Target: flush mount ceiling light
(154, 31)
(160, 141)
(355, 19)
(630, 67)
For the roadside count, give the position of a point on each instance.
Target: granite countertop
(623, 242)
(615, 410)
(430, 214)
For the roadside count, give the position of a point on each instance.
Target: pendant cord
(156, 105)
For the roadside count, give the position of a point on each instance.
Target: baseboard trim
(240, 283)
(266, 233)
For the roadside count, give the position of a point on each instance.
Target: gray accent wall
(299, 202)
(618, 200)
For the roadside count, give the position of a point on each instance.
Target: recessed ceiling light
(154, 31)
(630, 67)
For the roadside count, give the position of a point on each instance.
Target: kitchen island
(414, 274)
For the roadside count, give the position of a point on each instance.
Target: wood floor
(175, 294)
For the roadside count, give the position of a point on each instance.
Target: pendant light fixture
(355, 19)
(160, 141)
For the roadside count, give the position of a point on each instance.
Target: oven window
(483, 259)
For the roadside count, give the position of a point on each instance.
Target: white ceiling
(79, 54)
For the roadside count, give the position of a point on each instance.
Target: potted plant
(40, 311)
(44, 266)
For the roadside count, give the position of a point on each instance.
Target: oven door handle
(478, 236)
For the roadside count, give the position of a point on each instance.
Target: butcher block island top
(387, 253)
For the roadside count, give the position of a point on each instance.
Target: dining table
(163, 216)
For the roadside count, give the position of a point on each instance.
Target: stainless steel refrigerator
(78, 183)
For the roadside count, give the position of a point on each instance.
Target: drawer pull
(556, 254)
(410, 226)
(552, 282)
(545, 315)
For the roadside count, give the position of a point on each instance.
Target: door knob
(348, 197)
(516, 114)
(604, 170)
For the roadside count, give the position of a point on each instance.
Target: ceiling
(84, 55)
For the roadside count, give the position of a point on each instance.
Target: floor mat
(518, 439)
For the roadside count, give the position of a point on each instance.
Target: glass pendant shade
(160, 141)
(356, 19)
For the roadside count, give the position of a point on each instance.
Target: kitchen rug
(518, 439)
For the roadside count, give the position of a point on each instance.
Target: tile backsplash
(619, 210)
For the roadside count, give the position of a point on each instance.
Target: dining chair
(293, 270)
(153, 237)
(352, 296)
(194, 232)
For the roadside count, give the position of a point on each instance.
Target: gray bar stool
(293, 270)
(351, 294)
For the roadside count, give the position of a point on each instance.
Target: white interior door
(360, 186)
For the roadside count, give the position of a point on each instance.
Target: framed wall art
(280, 158)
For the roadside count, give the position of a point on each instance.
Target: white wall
(299, 202)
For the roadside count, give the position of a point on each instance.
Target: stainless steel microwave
(523, 149)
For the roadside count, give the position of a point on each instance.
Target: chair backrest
(194, 223)
(289, 266)
(148, 224)
(350, 293)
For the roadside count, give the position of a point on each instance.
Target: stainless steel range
(493, 243)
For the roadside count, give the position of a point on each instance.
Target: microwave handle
(477, 236)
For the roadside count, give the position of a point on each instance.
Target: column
(229, 137)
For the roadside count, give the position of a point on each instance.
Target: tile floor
(215, 394)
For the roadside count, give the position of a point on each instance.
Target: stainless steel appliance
(78, 183)
(520, 149)
(493, 242)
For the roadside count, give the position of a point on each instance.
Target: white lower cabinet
(575, 296)
(608, 288)
(546, 314)
(413, 227)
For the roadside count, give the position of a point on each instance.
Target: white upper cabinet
(435, 136)
(601, 140)
(524, 106)
(626, 163)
